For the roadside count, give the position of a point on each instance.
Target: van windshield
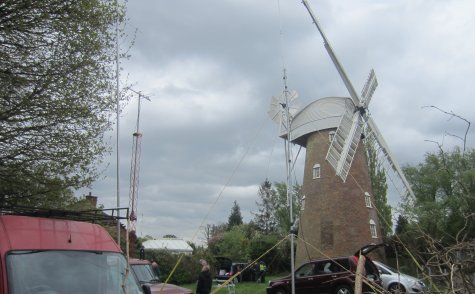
(69, 272)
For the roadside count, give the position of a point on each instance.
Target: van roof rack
(110, 215)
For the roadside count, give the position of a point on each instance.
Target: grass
(241, 288)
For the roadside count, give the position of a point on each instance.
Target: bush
(278, 259)
(187, 270)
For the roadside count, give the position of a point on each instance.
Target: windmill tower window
(367, 199)
(372, 227)
(331, 135)
(303, 203)
(316, 171)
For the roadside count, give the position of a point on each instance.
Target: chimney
(92, 199)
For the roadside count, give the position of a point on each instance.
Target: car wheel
(396, 288)
(235, 280)
(343, 289)
(280, 291)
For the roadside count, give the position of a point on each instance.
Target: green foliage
(248, 242)
(379, 188)
(282, 211)
(56, 83)
(235, 218)
(401, 225)
(277, 259)
(444, 187)
(170, 236)
(186, 272)
(265, 218)
(233, 243)
(273, 209)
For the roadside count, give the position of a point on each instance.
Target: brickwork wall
(335, 219)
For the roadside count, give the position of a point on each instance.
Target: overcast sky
(211, 68)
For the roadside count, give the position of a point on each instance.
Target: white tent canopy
(169, 244)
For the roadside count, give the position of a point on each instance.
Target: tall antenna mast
(118, 111)
(288, 165)
(135, 167)
(281, 110)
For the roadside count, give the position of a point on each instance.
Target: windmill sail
(343, 146)
(336, 62)
(369, 88)
(374, 131)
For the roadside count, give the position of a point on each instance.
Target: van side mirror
(146, 289)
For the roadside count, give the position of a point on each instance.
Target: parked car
(329, 275)
(144, 273)
(396, 282)
(226, 268)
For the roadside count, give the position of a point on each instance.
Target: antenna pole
(288, 165)
(118, 111)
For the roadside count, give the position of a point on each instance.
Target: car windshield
(387, 267)
(69, 272)
(144, 273)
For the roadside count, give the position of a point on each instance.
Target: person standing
(204, 279)
(262, 272)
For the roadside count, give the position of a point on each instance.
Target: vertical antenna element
(118, 111)
(288, 153)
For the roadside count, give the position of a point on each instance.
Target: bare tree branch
(452, 115)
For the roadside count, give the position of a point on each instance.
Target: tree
(444, 187)
(380, 188)
(438, 226)
(235, 218)
(401, 225)
(233, 242)
(169, 236)
(282, 206)
(56, 83)
(265, 217)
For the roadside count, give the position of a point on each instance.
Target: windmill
(338, 216)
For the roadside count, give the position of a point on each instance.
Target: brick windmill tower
(338, 214)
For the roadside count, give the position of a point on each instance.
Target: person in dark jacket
(204, 279)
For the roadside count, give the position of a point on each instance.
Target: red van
(58, 256)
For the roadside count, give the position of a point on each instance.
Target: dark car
(144, 273)
(335, 276)
(226, 268)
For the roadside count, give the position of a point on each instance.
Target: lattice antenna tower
(135, 166)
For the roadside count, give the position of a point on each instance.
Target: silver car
(396, 282)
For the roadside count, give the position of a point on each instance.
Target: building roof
(170, 244)
(321, 114)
